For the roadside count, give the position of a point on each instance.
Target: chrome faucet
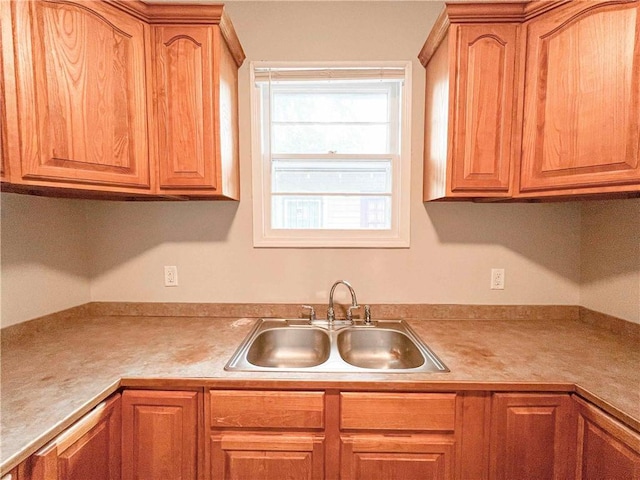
(331, 315)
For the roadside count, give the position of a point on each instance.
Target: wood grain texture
(160, 432)
(438, 103)
(186, 14)
(436, 36)
(532, 436)
(266, 409)
(246, 455)
(470, 111)
(9, 137)
(472, 433)
(42, 465)
(92, 447)
(606, 448)
(91, 80)
(227, 118)
(196, 112)
(485, 92)
(81, 93)
(397, 412)
(365, 457)
(3, 115)
(12, 475)
(184, 94)
(582, 101)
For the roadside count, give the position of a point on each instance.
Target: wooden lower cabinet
(245, 455)
(532, 436)
(267, 435)
(390, 457)
(389, 436)
(606, 448)
(332, 434)
(160, 435)
(88, 450)
(12, 475)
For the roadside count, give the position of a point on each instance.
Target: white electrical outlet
(170, 276)
(497, 279)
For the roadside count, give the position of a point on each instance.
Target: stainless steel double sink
(276, 345)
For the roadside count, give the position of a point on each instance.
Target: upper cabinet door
(185, 115)
(485, 99)
(582, 107)
(82, 95)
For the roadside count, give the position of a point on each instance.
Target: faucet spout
(331, 315)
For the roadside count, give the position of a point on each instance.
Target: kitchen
(61, 253)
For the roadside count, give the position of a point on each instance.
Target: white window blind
(330, 155)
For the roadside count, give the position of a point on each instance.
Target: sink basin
(294, 345)
(378, 348)
(289, 348)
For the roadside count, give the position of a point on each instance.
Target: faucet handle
(367, 314)
(312, 312)
(350, 313)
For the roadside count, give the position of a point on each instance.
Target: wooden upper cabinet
(471, 94)
(484, 102)
(82, 95)
(119, 98)
(196, 102)
(3, 121)
(184, 99)
(532, 99)
(582, 100)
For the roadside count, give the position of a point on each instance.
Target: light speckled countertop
(51, 379)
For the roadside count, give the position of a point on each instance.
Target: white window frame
(399, 234)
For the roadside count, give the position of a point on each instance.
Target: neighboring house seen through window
(331, 155)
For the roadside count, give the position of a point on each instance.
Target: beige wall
(610, 258)
(44, 257)
(454, 246)
(59, 253)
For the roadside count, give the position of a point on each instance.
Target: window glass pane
(329, 106)
(331, 176)
(331, 212)
(325, 138)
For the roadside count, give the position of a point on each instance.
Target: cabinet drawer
(266, 409)
(392, 411)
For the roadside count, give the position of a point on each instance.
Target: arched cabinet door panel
(82, 93)
(582, 101)
(470, 112)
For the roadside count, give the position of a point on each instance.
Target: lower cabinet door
(391, 457)
(159, 435)
(606, 448)
(266, 456)
(90, 449)
(532, 437)
(94, 454)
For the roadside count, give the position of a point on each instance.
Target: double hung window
(331, 155)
